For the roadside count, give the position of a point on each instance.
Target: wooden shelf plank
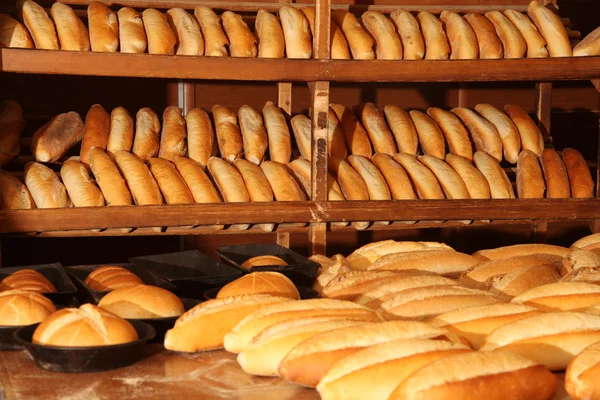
(260, 69)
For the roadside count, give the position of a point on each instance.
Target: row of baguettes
(402, 36)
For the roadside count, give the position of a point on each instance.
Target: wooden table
(162, 375)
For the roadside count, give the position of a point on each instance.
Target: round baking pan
(305, 293)
(86, 359)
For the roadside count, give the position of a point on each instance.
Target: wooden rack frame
(317, 73)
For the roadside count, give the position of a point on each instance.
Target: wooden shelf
(260, 69)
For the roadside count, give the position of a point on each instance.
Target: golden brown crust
(173, 136)
(423, 180)
(455, 132)
(582, 185)
(410, 33)
(280, 141)
(403, 128)
(200, 136)
(436, 41)
(81, 188)
(161, 38)
(140, 181)
(242, 42)
(69, 28)
(530, 181)
(104, 28)
(379, 133)
(387, 42)
(39, 25)
(229, 136)
(296, 30)
(45, 187)
(490, 46)
(95, 132)
(476, 184)
(357, 140)
(360, 42)
(147, 132)
(513, 41)
(555, 175)
(189, 40)
(215, 40)
(109, 179)
(14, 194)
(536, 45)
(53, 140)
(132, 35)
(14, 34)
(461, 37)
(120, 136)
(552, 29)
(269, 34)
(483, 132)
(171, 183)
(531, 136)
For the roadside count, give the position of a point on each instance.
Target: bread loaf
(14, 34)
(530, 181)
(523, 279)
(285, 187)
(410, 33)
(11, 128)
(302, 171)
(229, 137)
(360, 42)
(589, 46)
(296, 31)
(461, 37)
(350, 285)
(197, 181)
(271, 283)
(430, 135)
(450, 182)
(357, 140)
(478, 275)
(436, 42)
(104, 28)
(549, 252)
(20, 308)
(45, 187)
(257, 184)
(54, 139)
(579, 259)
(200, 136)
(228, 180)
(107, 278)
(439, 261)
(500, 185)
(423, 180)
(186, 32)
(509, 134)
(561, 296)
(142, 302)
(81, 188)
(581, 377)
(280, 142)
(120, 135)
(254, 134)
(513, 41)
(28, 280)
(536, 45)
(336, 143)
(387, 42)
(263, 261)
(552, 29)
(582, 185)
(339, 44)
(269, 34)
(364, 256)
(132, 35)
(95, 131)
(351, 183)
(555, 175)
(147, 133)
(476, 184)
(69, 28)
(490, 46)
(395, 176)
(531, 137)
(85, 326)
(376, 185)
(173, 135)
(109, 179)
(171, 183)
(39, 25)
(215, 40)
(483, 132)
(140, 181)
(586, 241)
(403, 128)
(14, 195)
(242, 42)
(455, 133)
(378, 131)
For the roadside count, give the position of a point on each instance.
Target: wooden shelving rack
(317, 73)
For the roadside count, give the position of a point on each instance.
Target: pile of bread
(417, 320)
(401, 36)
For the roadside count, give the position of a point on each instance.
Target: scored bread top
(480, 312)
(557, 289)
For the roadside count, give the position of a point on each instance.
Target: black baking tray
(192, 272)
(7, 341)
(86, 359)
(65, 289)
(86, 295)
(300, 269)
(305, 293)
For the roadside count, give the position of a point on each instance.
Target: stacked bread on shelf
(402, 35)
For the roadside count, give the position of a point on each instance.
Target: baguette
(80, 186)
(455, 133)
(104, 28)
(228, 181)
(484, 133)
(512, 40)
(161, 38)
(531, 137)
(476, 184)
(509, 134)
(430, 135)
(201, 136)
(387, 43)
(364, 256)
(215, 40)
(257, 184)
(376, 185)
(339, 45)
(403, 128)
(582, 185)
(589, 46)
(523, 279)
(120, 136)
(357, 140)
(461, 36)
(301, 126)
(229, 137)
(269, 34)
(374, 123)
(579, 259)
(549, 252)
(53, 140)
(302, 171)
(478, 275)
(14, 34)
(536, 45)
(242, 42)
(109, 179)
(186, 30)
(132, 35)
(446, 262)
(95, 131)
(555, 175)
(69, 28)
(410, 33)
(530, 181)
(336, 142)
(351, 285)
(450, 181)
(45, 187)
(39, 25)
(197, 181)
(352, 184)
(296, 31)
(141, 183)
(552, 29)
(147, 132)
(12, 126)
(436, 42)
(586, 241)
(561, 296)
(173, 135)
(14, 195)
(280, 142)
(423, 180)
(500, 186)
(581, 377)
(490, 46)
(360, 42)
(396, 177)
(254, 134)
(285, 187)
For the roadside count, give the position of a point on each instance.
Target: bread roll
(511, 140)
(531, 137)
(350, 285)
(147, 132)
(436, 42)
(173, 135)
(14, 34)
(229, 137)
(582, 185)
(171, 183)
(387, 43)
(257, 184)
(380, 135)
(476, 184)
(142, 302)
(68, 27)
(53, 140)
(536, 45)
(336, 144)
(483, 132)
(215, 40)
(352, 184)
(85, 326)
(188, 39)
(45, 186)
(20, 308)
(271, 283)
(109, 179)
(120, 135)
(454, 131)
(200, 136)
(403, 128)
(396, 177)
(110, 277)
(410, 33)
(590, 240)
(269, 34)
(549, 252)
(561, 296)
(104, 28)
(376, 184)
(14, 194)
(431, 137)
(80, 186)
(39, 25)
(301, 170)
(423, 180)
(95, 132)
(11, 128)
(301, 126)
(364, 256)
(500, 186)
(581, 377)
(478, 275)
(201, 187)
(357, 140)
(280, 142)
(132, 34)
(254, 134)
(242, 42)
(339, 44)
(512, 40)
(228, 180)
(490, 46)
(142, 184)
(450, 181)
(523, 279)
(296, 30)
(161, 38)
(589, 46)
(263, 261)
(445, 262)
(475, 375)
(29, 280)
(552, 29)
(530, 181)
(555, 175)
(360, 42)
(285, 187)
(461, 36)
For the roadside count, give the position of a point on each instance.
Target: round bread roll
(27, 279)
(110, 277)
(142, 302)
(263, 261)
(22, 307)
(272, 283)
(86, 326)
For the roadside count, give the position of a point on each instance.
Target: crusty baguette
(109, 179)
(45, 187)
(69, 28)
(197, 181)
(229, 137)
(531, 137)
(351, 183)
(522, 280)
(228, 180)
(483, 132)
(586, 241)
(147, 133)
(280, 141)
(95, 131)
(403, 128)
(120, 136)
(430, 135)
(269, 34)
(513, 41)
(188, 38)
(81, 188)
(336, 142)
(423, 180)
(360, 42)
(396, 177)
(410, 33)
(39, 25)
(478, 275)
(201, 136)
(582, 185)
(301, 126)
(581, 376)
(161, 38)
(387, 43)
(141, 183)
(445, 262)
(476, 184)
(104, 28)
(301, 169)
(455, 133)
(509, 134)
(357, 140)
(461, 37)
(285, 187)
(490, 46)
(436, 41)
(296, 31)
(339, 45)
(450, 181)
(14, 34)
(500, 185)
(555, 175)
(551, 252)
(379, 133)
(132, 35)
(589, 46)
(579, 259)
(536, 45)
(14, 195)
(173, 135)
(215, 40)
(530, 181)
(561, 296)
(254, 134)
(350, 285)
(242, 42)
(364, 256)
(53, 140)
(171, 183)
(259, 188)
(552, 29)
